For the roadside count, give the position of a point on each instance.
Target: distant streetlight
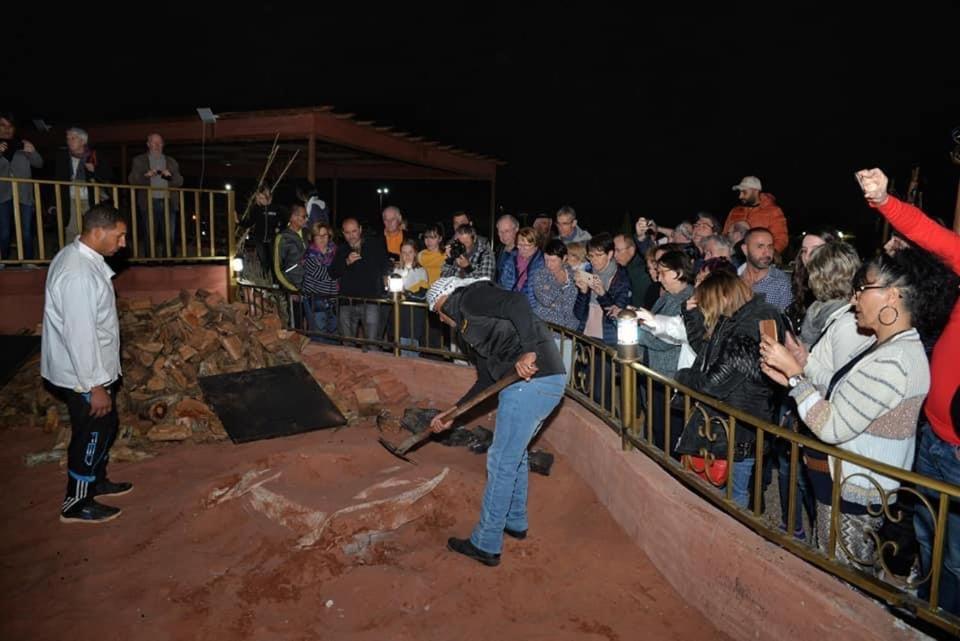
(228, 187)
(381, 192)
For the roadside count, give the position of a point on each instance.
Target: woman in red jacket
(938, 452)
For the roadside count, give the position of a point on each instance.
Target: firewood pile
(164, 349)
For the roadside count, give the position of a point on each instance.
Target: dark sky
(648, 110)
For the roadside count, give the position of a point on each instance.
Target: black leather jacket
(728, 364)
(495, 327)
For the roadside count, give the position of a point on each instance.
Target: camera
(13, 146)
(457, 249)
(651, 228)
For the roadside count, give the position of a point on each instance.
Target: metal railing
(621, 392)
(164, 225)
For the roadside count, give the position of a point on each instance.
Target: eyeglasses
(859, 290)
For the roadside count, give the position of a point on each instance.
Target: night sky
(654, 111)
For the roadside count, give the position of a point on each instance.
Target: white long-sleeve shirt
(80, 346)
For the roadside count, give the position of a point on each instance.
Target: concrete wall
(21, 290)
(751, 589)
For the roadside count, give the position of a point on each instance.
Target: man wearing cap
(758, 209)
(500, 334)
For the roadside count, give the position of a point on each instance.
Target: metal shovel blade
(400, 451)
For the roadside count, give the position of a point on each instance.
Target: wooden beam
(336, 129)
(312, 158)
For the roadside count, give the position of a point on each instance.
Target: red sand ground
(176, 566)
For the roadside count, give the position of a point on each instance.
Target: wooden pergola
(332, 146)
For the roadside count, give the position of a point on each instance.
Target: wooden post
(333, 206)
(493, 209)
(312, 158)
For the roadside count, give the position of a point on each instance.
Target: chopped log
(269, 339)
(158, 365)
(179, 378)
(151, 348)
(190, 319)
(186, 352)
(169, 432)
(53, 419)
(204, 294)
(197, 308)
(193, 408)
(140, 304)
(157, 407)
(213, 301)
(146, 358)
(233, 346)
(170, 308)
(157, 383)
(271, 322)
(209, 367)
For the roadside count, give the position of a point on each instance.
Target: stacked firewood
(165, 348)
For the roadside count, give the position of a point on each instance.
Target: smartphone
(768, 327)
(859, 180)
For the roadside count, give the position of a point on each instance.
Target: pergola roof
(331, 145)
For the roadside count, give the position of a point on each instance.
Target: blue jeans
(8, 229)
(521, 411)
(804, 500)
(409, 353)
(939, 460)
(742, 473)
(322, 317)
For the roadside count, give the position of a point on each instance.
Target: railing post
(628, 401)
(231, 245)
(396, 323)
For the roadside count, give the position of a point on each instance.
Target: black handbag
(704, 433)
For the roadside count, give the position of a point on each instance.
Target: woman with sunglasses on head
(871, 404)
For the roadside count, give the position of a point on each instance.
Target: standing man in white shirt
(80, 355)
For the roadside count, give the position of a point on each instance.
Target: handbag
(702, 444)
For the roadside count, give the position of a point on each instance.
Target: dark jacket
(364, 278)
(101, 174)
(509, 276)
(288, 258)
(263, 222)
(141, 165)
(617, 294)
(728, 364)
(495, 328)
(639, 281)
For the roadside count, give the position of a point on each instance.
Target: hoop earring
(896, 316)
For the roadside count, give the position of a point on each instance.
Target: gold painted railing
(171, 225)
(620, 392)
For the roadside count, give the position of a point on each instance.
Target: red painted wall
(21, 290)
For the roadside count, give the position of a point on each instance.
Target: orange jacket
(766, 214)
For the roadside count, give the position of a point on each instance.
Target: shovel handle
(458, 410)
(496, 388)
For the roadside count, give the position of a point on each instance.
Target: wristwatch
(795, 380)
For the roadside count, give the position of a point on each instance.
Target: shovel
(401, 450)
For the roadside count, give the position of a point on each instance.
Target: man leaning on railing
(160, 172)
(79, 163)
(17, 159)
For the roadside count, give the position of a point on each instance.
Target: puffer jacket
(728, 364)
(509, 276)
(766, 214)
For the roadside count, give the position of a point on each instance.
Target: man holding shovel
(501, 335)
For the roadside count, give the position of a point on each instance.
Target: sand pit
(317, 536)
